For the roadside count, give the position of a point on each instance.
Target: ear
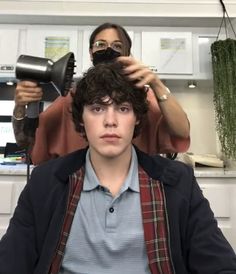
(82, 130)
(137, 122)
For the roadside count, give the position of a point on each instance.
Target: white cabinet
(6, 191)
(172, 52)
(178, 53)
(168, 52)
(53, 42)
(202, 55)
(221, 192)
(216, 193)
(10, 189)
(9, 42)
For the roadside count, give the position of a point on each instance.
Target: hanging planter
(224, 79)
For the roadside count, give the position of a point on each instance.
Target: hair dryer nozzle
(62, 73)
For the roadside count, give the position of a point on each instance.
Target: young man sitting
(110, 208)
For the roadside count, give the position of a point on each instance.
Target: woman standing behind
(165, 130)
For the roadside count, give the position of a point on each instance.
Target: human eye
(100, 44)
(97, 108)
(125, 108)
(117, 46)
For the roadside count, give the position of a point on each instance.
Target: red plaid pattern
(76, 185)
(155, 224)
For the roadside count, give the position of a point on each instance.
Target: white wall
(198, 104)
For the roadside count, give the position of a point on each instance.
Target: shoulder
(61, 167)
(49, 180)
(162, 168)
(177, 178)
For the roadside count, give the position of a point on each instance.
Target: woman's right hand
(27, 92)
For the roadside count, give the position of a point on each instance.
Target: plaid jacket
(196, 244)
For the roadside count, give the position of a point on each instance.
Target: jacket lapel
(155, 224)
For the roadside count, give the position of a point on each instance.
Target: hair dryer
(43, 70)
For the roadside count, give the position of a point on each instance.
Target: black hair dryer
(43, 70)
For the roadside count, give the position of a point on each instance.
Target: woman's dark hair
(107, 79)
(122, 33)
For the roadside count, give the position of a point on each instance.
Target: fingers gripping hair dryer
(43, 70)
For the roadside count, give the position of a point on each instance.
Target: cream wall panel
(198, 104)
(9, 39)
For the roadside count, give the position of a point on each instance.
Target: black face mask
(105, 55)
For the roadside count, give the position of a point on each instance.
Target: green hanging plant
(224, 78)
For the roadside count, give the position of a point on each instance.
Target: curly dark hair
(107, 79)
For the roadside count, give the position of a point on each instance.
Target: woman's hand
(27, 92)
(139, 72)
(172, 112)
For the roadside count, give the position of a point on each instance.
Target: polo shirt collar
(131, 182)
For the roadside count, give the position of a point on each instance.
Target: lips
(110, 137)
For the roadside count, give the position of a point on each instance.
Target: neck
(111, 171)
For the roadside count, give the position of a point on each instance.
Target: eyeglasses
(101, 45)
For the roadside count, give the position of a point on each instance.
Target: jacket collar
(157, 167)
(68, 164)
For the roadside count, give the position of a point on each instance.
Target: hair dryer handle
(32, 110)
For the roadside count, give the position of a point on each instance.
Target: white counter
(21, 169)
(214, 172)
(18, 169)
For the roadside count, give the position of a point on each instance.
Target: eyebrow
(103, 40)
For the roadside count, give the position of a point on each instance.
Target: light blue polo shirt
(107, 235)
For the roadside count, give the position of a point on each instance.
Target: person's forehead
(108, 35)
(107, 100)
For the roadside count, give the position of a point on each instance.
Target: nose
(110, 117)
